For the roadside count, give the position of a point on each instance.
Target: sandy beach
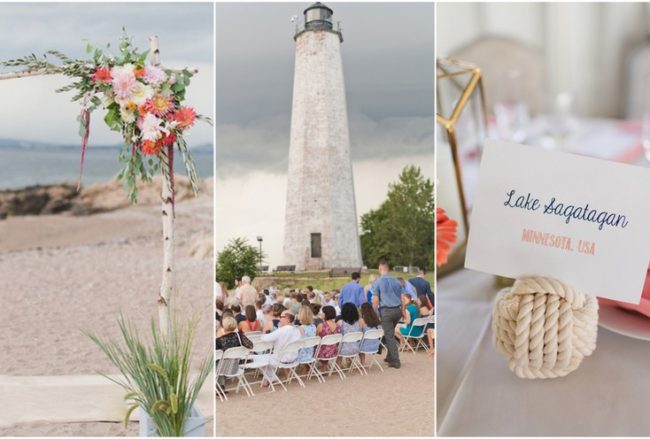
(392, 403)
(61, 275)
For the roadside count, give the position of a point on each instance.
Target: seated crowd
(285, 316)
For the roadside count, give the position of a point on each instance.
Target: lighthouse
(321, 229)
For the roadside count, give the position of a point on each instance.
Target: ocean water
(26, 166)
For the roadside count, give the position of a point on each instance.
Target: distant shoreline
(22, 144)
(27, 167)
(98, 197)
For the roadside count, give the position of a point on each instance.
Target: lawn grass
(320, 280)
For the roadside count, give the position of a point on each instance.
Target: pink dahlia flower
(124, 83)
(154, 75)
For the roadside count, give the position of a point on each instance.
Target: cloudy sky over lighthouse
(388, 63)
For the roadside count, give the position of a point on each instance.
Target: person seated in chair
(349, 323)
(285, 334)
(328, 327)
(231, 338)
(426, 309)
(369, 320)
(250, 323)
(409, 314)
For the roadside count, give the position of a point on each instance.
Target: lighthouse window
(315, 245)
(313, 14)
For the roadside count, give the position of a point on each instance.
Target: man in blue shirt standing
(423, 286)
(352, 292)
(387, 296)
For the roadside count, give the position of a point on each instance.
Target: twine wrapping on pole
(544, 327)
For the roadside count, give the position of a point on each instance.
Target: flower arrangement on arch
(144, 102)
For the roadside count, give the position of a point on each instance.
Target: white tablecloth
(478, 395)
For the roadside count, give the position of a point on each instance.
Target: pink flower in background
(445, 236)
(154, 75)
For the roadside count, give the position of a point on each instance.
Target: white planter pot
(194, 425)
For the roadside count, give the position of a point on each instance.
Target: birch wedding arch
(143, 102)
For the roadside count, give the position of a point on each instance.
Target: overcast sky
(31, 110)
(388, 63)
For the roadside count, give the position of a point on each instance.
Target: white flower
(127, 116)
(141, 93)
(150, 127)
(126, 69)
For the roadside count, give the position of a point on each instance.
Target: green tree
(237, 259)
(402, 229)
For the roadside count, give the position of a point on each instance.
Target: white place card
(581, 220)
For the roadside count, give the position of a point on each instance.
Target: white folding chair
(258, 359)
(353, 338)
(218, 354)
(289, 351)
(369, 335)
(329, 340)
(311, 343)
(262, 347)
(231, 367)
(253, 335)
(419, 339)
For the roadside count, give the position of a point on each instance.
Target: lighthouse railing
(300, 26)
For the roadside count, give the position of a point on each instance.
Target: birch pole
(167, 285)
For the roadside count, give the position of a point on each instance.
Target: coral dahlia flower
(184, 117)
(149, 147)
(159, 104)
(102, 75)
(138, 72)
(445, 236)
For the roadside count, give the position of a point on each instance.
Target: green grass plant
(156, 373)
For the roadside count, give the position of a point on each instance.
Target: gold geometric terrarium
(461, 127)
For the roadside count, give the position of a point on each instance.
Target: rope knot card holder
(544, 327)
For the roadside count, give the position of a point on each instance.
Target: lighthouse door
(315, 245)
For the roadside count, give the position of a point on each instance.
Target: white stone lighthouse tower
(321, 216)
